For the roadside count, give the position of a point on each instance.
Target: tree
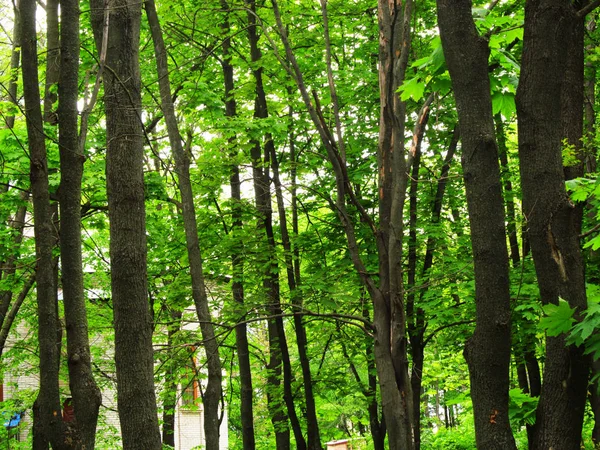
(553, 222)
(85, 392)
(48, 407)
(117, 33)
(212, 395)
(488, 350)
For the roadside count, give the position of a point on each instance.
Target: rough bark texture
(49, 423)
(85, 392)
(134, 357)
(388, 305)
(212, 393)
(552, 220)
(488, 351)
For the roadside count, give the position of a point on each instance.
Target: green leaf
(559, 318)
(413, 88)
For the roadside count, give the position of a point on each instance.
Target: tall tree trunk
(212, 394)
(312, 425)
(388, 307)
(134, 356)
(553, 222)
(511, 226)
(49, 425)
(488, 351)
(241, 336)
(415, 318)
(279, 354)
(293, 272)
(389, 321)
(86, 394)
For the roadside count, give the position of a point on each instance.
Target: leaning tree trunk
(134, 356)
(552, 220)
(85, 392)
(49, 426)
(212, 394)
(488, 351)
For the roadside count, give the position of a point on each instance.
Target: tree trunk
(388, 305)
(85, 392)
(15, 58)
(9, 267)
(312, 426)
(488, 351)
(170, 400)
(552, 220)
(415, 318)
(52, 61)
(49, 423)
(389, 321)
(134, 357)
(237, 285)
(212, 394)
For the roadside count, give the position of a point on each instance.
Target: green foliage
(559, 318)
(521, 408)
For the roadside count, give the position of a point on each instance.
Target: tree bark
(488, 351)
(134, 357)
(552, 220)
(213, 391)
(49, 423)
(86, 394)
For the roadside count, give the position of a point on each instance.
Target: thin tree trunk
(488, 351)
(14, 310)
(552, 220)
(212, 394)
(49, 423)
(170, 400)
(511, 226)
(15, 58)
(134, 356)
(86, 394)
(237, 285)
(9, 267)
(312, 426)
(415, 319)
